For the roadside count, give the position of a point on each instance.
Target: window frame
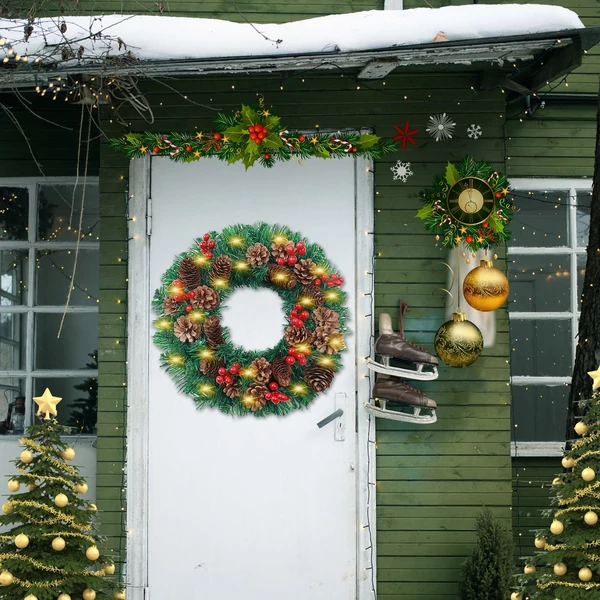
(30, 309)
(573, 250)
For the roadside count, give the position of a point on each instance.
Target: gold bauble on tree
(61, 500)
(581, 428)
(26, 456)
(458, 342)
(557, 481)
(590, 517)
(81, 488)
(31, 597)
(64, 596)
(6, 578)
(13, 485)
(92, 553)
(109, 568)
(91, 507)
(89, 594)
(556, 527)
(540, 543)
(485, 288)
(7, 508)
(58, 544)
(529, 569)
(560, 569)
(119, 595)
(68, 454)
(568, 462)
(585, 574)
(21, 541)
(516, 596)
(588, 474)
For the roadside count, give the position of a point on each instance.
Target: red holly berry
(291, 261)
(177, 283)
(302, 360)
(280, 260)
(290, 360)
(189, 308)
(234, 370)
(302, 251)
(222, 371)
(258, 128)
(330, 283)
(298, 306)
(251, 129)
(219, 379)
(486, 225)
(203, 245)
(179, 297)
(156, 149)
(274, 398)
(268, 396)
(341, 280)
(253, 136)
(317, 281)
(191, 295)
(217, 136)
(304, 315)
(206, 237)
(284, 398)
(209, 255)
(498, 194)
(217, 146)
(273, 386)
(267, 156)
(469, 239)
(292, 351)
(290, 249)
(257, 141)
(237, 365)
(228, 379)
(212, 244)
(325, 277)
(297, 323)
(294, 313)
(354, 149)
(301, 138)
(188, 148)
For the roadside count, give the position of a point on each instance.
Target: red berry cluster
(257, 133)
(469, 239)
(297, 355)
(330, 280)
(292, 251)
(225, 377)
(206, 245)
(275, 396)
(180, 295)
(298, 316)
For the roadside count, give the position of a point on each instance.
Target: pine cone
(262, 368)
(221, 268)
(312, 295)
(257, 255)
(317, 378)
(205, 297)
(282, 372)
(189, 274)
(213, 332)
(186, 330)
(278, 250)
(295, 335)
(210, 366)
(281, 277)
(254, 397)
(304, 270)
(232, 390)
(171, 306)
(328, 340)
(325, 317)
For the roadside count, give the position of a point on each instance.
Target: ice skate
(418, 363)
(398, 401)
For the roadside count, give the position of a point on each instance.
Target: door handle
(334, 415)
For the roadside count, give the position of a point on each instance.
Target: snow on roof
(170, 38)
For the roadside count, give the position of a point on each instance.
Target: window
(39, 223)
(546, 264)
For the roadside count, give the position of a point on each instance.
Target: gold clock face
(470, 201)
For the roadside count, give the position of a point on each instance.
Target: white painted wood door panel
(260, 509)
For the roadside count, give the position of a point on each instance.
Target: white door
(252, 508)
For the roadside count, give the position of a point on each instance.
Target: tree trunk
(588, 341)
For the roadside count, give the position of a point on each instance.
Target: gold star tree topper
(595, 375)
(47, 404)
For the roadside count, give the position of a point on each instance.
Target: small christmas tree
(487, 573)
(568, 564)
(49, 550)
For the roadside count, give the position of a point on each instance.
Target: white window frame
(572, 185)
(30, 309)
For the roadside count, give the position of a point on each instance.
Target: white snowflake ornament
(401, 171)
(474, 131)
(441, 127)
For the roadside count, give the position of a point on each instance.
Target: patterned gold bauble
(458, 342)
(529, 569)
(568, 462)
(485, 287)
(81, 488)
(68, 454)
(6, 578)
(61, 500)
(7, 508)
(585, 574)
(26, 456)
(91, 507)
(92, 553)
(588, 474)
(581, 428)
(120, 594)
(21, 541)
(13, 485)
(89, 594)
(560, 569)
(58, 544)
(590, 517)
(540, 543)
(556, 527)
(109, 568)
(64, 596)
(557, 481)
(516, 596)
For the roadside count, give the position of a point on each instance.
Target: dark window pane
(14, 213)
(78, 339)
(59, 209)
(539, 283)
(12, 336)
(540, 413)
(541, 219)
(581, 263)
(584, 201)
(12, 406)
(54, 271)
(13, 277)
(541, 347)
(79, 400)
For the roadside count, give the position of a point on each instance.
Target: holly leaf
(134, 138)
(367, 140)
(272, 122)
(237, 133)
(322, 152)
(497, 223)
(249, 160)
(272, 141)
(249, 116)
(425, 212)
(452, 175)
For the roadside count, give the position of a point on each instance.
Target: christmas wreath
(486, 224)
(197, 351)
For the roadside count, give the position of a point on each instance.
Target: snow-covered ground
(164, 38)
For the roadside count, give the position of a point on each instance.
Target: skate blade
(395, 415)
(421, 375)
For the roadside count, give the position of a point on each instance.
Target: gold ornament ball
(21, 541)
(61, 500)
(529, 569)
(26, 456)
(7, 508)
(92, 553)
(540, 543)
(464, 255)
(81, 488)
(516, 596)
(557, 527)
(58, 544)
(68, 454)
(581, 428)
(109, 568)
(485, 288)
(458, 342)
(468, 261)
(119, 594)
(568, 462)
(32, 486)
(13, 485)
(92, 507)
(560, 569)
(6, 578)
(585, 574)
(31, 597)
(64, 596)
(557, 481)
(588, 474)
(590, 517)
(89, 594)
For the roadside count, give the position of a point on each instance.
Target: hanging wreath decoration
(197, 351)
(468, 205)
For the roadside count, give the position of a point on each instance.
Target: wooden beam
(561, 61)
(378, 68)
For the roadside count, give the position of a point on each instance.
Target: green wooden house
(201, 502)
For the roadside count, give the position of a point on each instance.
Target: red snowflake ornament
(405, 135)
